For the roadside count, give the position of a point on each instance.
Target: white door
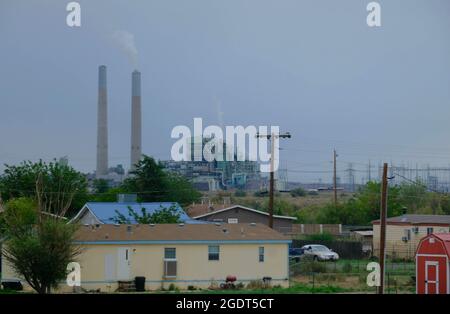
(431, 277)
(123, 263)
(110, 267)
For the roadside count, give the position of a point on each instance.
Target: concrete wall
(193, 268)
(395, 246)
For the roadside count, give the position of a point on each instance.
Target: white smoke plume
(125, 41)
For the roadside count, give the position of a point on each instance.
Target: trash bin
(140, 284)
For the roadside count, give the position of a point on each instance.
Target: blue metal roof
(105, 211)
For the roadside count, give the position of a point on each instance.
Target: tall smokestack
(135, 118)
(102, 124)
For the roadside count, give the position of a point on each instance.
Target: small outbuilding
(433, 264)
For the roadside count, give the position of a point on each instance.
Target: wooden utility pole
(334, 178)
(272, 181)
(271, 137)
(383, 215)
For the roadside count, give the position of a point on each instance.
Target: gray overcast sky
(312, 67)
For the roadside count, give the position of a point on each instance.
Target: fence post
(388, 284)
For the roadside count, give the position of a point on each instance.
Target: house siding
(395, 246)
(194, 268)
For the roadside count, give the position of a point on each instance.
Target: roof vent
(224, 230)
(116, 225)
(151, 225)
(253, 224)
(218, 224)
(106, 236)
(97, 225)
(129, 228)
(181, 224)
(86, 225)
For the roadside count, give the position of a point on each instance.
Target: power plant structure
(102, 124)
(136, 118)
(102, 169)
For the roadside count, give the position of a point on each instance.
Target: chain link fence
(350, 275)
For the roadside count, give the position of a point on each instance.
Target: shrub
(260, 193)
(298, 192)
(240, 285)
(256, 284)
(309, 265)
(192, 288)
(347, 268)
(172, 287)
(213, 285)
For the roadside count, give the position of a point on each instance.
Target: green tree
(57, 188)
(38, 246)
(153, 184)
(181, 190)
(100, 186)
(413, 196)
(160, 216)
(109, 196)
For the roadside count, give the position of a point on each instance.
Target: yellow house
(198, 255)
(403, 233)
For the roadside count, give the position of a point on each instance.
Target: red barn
(433, 264)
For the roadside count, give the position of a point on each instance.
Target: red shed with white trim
(433, 264)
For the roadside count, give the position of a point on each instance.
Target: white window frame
(263, 254)
(218, 253)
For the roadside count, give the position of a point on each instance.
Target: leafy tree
(153, 184)
(57, 188)
(413, 196)
(180, 190)
(100, 186)
(109, 196)
(160, 216)
(149, 180)
(38, 246)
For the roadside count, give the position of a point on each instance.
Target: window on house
(170, 253)
(408, 234)
(261, 253)
(170, 268)
(213, 252)
(429, 230)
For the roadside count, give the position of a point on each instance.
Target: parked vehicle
(295, 253)
(320, 252)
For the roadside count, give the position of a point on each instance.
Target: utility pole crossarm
(272, 179)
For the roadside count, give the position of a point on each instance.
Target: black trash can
(139, 283)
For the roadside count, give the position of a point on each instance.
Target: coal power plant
(102, 169)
